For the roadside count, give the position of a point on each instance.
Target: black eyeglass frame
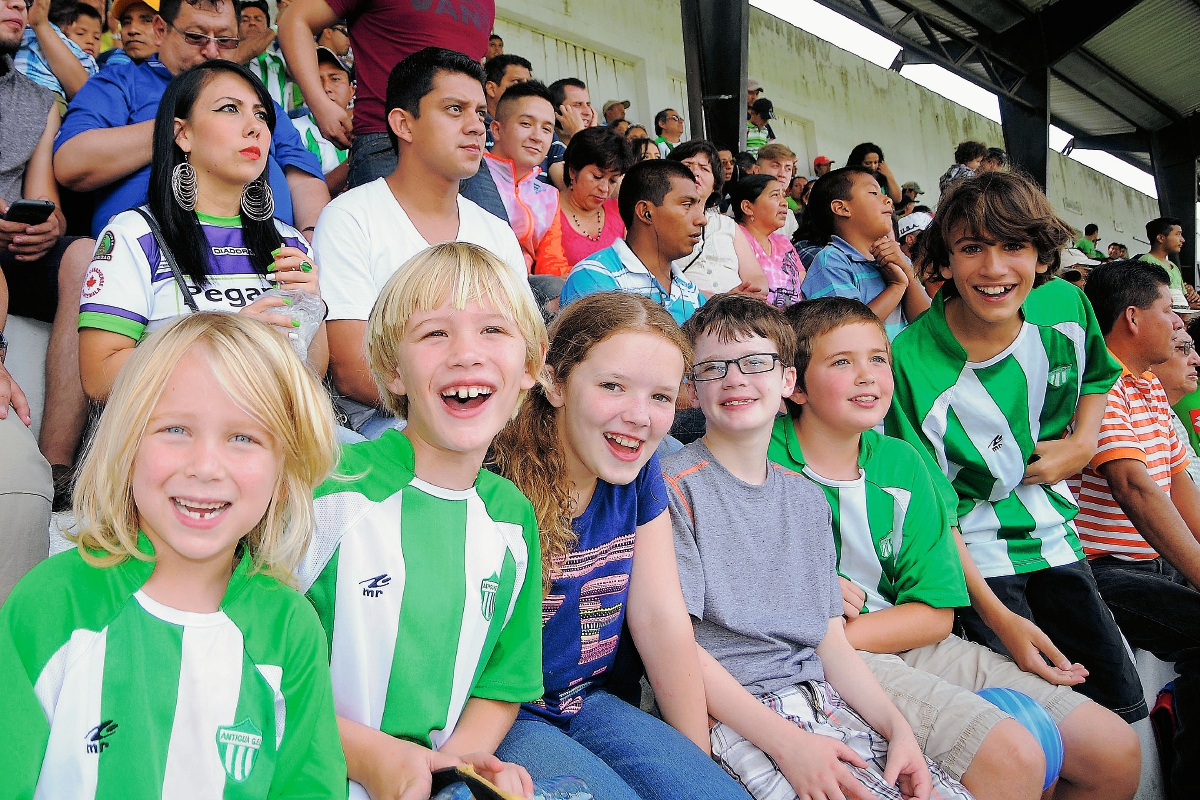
(775, 359)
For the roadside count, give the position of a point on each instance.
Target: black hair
(1193, 329)
(558, 93)
(836, 184)
(925, 209)
(1090, 228)
(660, 120)
(650, 181)
(998, 155)
(744, 161)
(763, 107)
(600, 146)
(859, 154)
(412, 79)
(1160, 227)
(968, 151)
(690, 148)
(521, 90)
(642, 147)
(261, 5)
(1114, 286)
(749, 188)
(181, 229)
(495, 36)
(169, 9)
(496, 66)
(64, 12)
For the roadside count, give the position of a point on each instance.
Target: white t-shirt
(364, 235)
(713, 263)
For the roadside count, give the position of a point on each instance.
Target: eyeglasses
(1185, 349)
(749, 365)
(202, 39)
(675, 118)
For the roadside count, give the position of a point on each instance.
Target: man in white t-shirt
(435, 107)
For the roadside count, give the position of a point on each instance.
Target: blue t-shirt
(126, 94)
(841, 271)
(583, 613)
(618, 269)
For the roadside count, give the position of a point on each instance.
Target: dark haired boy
(435, 108)
(901, 576)
(48, 56)
(1165, 235)
(82, 24)
(501, 72)
(850, 214)
(1001, 387)
(664, 219)
(798, 711)
(522, 131)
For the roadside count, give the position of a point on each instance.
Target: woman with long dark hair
(870, 156)
(207, 239)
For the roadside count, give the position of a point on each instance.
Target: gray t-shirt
(757, 565)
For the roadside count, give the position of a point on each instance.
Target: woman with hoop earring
(207, 240)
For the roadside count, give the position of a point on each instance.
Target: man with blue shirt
(104, 144)
(663, 213)
(849, 213)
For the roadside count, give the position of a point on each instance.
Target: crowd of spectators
(398, 199)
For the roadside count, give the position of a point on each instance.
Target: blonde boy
(425, 570)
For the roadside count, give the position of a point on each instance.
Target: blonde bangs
(462, 273)
(264, 377)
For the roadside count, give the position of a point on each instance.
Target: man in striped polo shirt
(1139, 512)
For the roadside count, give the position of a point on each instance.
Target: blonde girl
(582, 449)
(163, 656)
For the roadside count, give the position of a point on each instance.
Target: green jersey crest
(238, 747)
(487, 596)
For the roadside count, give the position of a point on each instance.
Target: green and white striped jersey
(429, 596)
(330, 155)
(979, 422)
(271, 69)
(890, 526)
(106, 693)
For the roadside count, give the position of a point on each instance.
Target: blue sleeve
(288, 149)
(587, 279)
(831, 274)
(101, 103)
(651, 491)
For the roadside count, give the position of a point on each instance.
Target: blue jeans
(371, 157)
(621, 753)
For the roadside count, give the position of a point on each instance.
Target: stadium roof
(1117, 70)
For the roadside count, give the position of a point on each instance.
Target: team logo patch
(238, 747)
(487, 596)
(93, 282)
(1058, 376)
(94, 739)
(104, 247)
(885, 547)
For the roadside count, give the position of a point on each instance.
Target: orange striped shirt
(1137, 425)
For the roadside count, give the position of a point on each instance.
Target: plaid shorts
(814, 706)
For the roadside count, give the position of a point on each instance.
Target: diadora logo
(1058, 376)
(94, 740)
(373, 587)
(997, 443)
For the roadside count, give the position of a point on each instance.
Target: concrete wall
(828, 99)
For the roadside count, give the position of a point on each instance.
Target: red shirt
(576, 247)
(383, 32)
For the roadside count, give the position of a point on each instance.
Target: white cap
(1074, 257)
(914, 223)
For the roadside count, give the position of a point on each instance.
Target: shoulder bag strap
(169, 257)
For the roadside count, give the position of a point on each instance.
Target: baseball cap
(1074, 257)
(610, 103)
(753, 86)
(822, 160)
(916, 187)
(914, 223)
(119, 6)
(764, 108)
(330, 57)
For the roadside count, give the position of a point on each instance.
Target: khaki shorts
(934, 688)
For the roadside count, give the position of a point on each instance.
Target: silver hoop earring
(183, 184)
(257, 201)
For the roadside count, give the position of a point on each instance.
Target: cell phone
(29, 212)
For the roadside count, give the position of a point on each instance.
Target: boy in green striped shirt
(424, 570)
(902, 578)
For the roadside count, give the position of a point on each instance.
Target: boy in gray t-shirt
(797, 710)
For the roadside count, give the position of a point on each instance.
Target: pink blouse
(782, 267)
(576, 247)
